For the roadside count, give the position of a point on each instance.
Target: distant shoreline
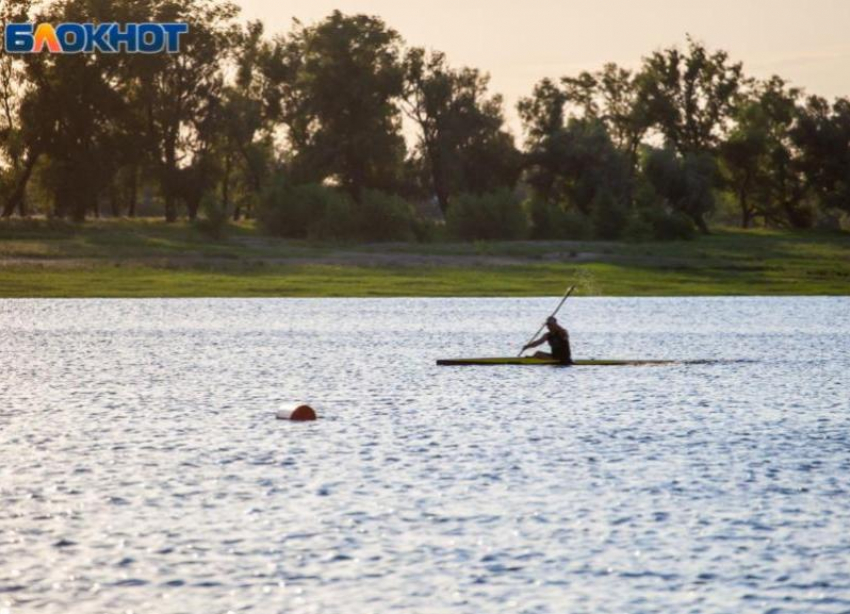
(148, 258)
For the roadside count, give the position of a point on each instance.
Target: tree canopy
(242, 119)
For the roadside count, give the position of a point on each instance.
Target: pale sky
(521, 41)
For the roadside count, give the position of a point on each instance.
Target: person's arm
(537, 343)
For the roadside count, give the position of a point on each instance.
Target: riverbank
(148, 258)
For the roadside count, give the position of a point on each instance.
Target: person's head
(552, 323)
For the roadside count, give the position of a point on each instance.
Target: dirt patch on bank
(334, 258)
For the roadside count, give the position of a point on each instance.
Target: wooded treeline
(304, 130)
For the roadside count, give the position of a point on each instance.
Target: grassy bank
(144, 258)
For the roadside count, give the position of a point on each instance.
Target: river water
(142, 469)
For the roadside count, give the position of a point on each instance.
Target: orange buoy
(302, 413)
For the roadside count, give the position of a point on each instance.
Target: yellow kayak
(484, 362)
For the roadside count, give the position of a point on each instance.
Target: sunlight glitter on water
(142, 468)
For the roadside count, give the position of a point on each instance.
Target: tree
(14, 159)
(744, 155)
(822, 135)
(690, 97)
(245, 149)
(759, 159)
(684, 184)
(71, 117)
(569, 162)
(463, 143)
(179, 94)
(583, 140)
(543, 117)
(18, 151)
(613, 96)
(340, 83)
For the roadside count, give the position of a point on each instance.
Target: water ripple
(142, 469)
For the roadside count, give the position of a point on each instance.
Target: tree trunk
(170, 208)
(797, 217)
(22, 206)
(169, 180)
(114, 205)
(16, 199)
(743, 201)
(192, 206)
(78, 214)
(438, 178)
(169, 194)
(225, 184)
(700, 222)
(133, 190)
(79, 207)
(746, 214)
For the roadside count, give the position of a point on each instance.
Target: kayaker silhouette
(558, 339)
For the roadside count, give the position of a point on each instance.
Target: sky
(520, 42)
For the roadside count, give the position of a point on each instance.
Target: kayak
(489, 362)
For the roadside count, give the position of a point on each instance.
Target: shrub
(686, 183)
(551, 221)
(213, 224)
(669, 225)
(547, 220)
(384, 217)
(294, 211)
(428, 230)
(321, 212)
(492, 216)
(576, 226)
(609, 216)
(638, 229)
(541, 216)
(338, 221)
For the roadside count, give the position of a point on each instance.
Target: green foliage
(244, 141)
(384, 217)
(653, 210)
(574, 163)
(463, 144)
(321, 212)
(669, 225)
(549, 221)
(323, 103)
(683, 184)
(575, 225)
(638, 229)
(301, 211)
(493, 216)
(338, 219)
(758, 157)
(609, 216)
(378, 218)
(78, 114)
(613, 96)
(343, 77)
(544, 218)
(428, 230)
(689, 96)
(543, 112)
(190, 129)
(214, 223)
(822, 135)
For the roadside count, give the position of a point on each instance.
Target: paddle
(554, 313)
